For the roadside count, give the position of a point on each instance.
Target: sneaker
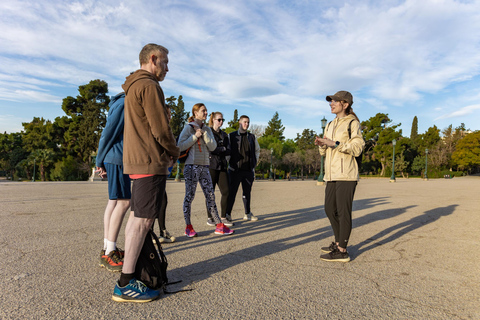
(228, 217)
(134, 291)
(102, 258)
(336, 255)
(112, 262)
(189, 232)
(167, 237)
(223, 229)
(330, 248)
(227, 223)
(210, 222)
(120, 252)
(250, 217)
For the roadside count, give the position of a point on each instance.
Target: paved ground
(414, 245)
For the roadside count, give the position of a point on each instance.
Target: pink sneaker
(223, 229)
(189, 232)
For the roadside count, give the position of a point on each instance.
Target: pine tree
(234, 123)
(275, 128)
(179, 116)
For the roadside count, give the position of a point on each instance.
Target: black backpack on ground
(151, 267)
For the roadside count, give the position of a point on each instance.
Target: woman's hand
(324, 142)
(198, 133)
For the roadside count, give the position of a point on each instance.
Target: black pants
(221, 178)
(162, 214)
(338, 207)
(246, 179)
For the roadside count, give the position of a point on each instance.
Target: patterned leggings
(196, 173)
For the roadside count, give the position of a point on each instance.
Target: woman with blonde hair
(199, 140)
(218, 164)
(341, 143)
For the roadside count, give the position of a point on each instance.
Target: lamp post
(34, 163)
(426, 164)
(177, 176)
(271, 164)
(392, 178)
(320, 175)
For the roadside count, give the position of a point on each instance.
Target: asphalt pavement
(414, 250)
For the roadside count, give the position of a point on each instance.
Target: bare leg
(116, 218)
(135, 233)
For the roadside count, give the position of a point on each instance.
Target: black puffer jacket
(217, 156)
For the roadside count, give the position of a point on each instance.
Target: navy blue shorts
(118, 183)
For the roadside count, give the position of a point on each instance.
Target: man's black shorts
(147, 196)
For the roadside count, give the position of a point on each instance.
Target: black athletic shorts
(147, 196)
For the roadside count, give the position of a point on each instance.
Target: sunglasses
(220, 120)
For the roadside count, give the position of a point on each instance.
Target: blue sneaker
(134, 291)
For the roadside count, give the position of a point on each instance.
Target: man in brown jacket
(149, 148)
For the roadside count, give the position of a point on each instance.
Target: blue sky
(405, 58)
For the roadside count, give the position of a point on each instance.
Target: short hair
(243, 117)
(148, 49)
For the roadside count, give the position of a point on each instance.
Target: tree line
(64, 149)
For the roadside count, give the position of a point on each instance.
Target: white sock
(111, 245)
(105, 243)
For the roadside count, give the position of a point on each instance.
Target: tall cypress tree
(414, 132)
(234, 123)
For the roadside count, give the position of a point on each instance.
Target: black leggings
(221, 178)
(338, 207)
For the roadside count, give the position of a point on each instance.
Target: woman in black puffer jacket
(219, 165)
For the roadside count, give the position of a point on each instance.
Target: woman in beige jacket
(341, 143)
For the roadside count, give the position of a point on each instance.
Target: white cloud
(465, 111)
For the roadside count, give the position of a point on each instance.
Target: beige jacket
(199, 147)
(340, 163)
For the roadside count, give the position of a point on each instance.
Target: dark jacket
(235, 143)
(110, 146)
(218, 159)
(148, 141)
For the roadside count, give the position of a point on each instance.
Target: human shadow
(273, 222)
(401, 229)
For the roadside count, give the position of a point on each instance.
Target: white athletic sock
(111, 245)
(105, 243)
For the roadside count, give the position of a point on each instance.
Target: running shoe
(134, 291)
(227, 223)
(166, 236)
(210, 222)
(189, 232)
(336, 255)
(250, 216)
(330, 248)
(223, 229)
(112, 262)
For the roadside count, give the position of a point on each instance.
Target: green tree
(306, 140)
(378, 139)
(233, 124)
(38, 135)
(44, 158)
(467, 153)
(11, 152)
(179, 116)
(275, 128)
(88, 117)
(414, 131)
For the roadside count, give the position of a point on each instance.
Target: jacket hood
(135, 76)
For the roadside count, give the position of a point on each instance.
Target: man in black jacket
(243, 160)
